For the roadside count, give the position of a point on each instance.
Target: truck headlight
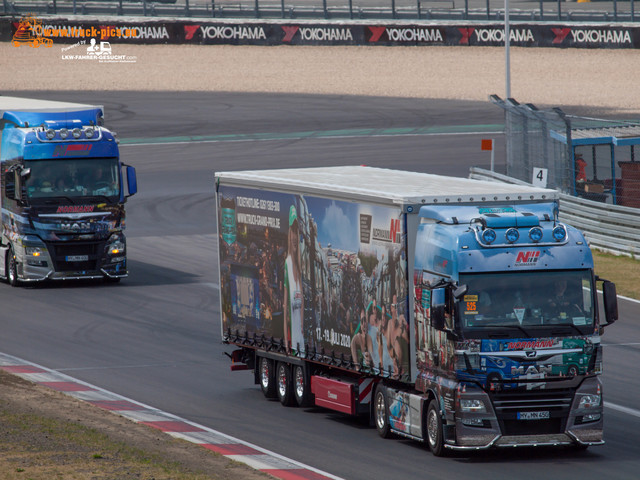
(116, 248)
(589, 401)
(472, 405)
(115, 245)
(33, 251)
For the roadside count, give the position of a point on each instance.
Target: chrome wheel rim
(282, 381)
(264, 373)
(432, 427)
(299, 382)
(12, 268)
(380, 411)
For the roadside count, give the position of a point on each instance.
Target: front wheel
(381, 412)
(12, 269)
(435, 436)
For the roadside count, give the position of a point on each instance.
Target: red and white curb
(233, 448)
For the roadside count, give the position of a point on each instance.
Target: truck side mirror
(9, 185)
(437, 317)
(132, 182)
(460, 292)
(610, 301)
(17, 182)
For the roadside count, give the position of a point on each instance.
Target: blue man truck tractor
(62, 193)
(455, 312)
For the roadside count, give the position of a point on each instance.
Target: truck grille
(511, 403)
(72, 257)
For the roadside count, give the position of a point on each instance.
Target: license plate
(77, 258)
(533, 415)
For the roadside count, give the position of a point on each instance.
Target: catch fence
(590, 158)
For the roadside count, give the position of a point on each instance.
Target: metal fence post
(568, 184)
(541, 10)
(351, 9)
(613, 171)
(559, 10)
(257, 9)
(393, 8)
(213, 8)
(324, 9)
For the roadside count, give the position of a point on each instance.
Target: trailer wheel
(284, 384)
(267, 377)
(435, 436)
(301, 387)
(12, 268)
(381, 412)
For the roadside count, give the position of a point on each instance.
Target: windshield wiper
(519, 327)
(98, 197)
(57, 198)
(569, 325)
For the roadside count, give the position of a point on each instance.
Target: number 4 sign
(540, 176)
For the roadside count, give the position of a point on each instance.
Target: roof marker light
(559, 233)
(535, 234)
(512, 235)
(489, 235)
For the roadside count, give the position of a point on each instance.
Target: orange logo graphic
(26, 33)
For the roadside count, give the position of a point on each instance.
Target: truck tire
(284, 384)
(301, 387)
(435, 435)
(381, 412)
(12, 269)
(267, 377)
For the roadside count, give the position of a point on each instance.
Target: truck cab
(509, 328)
(62, 193)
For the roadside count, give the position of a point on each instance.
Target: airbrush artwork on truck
(294, 269)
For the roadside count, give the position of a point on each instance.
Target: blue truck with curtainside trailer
(455, 312)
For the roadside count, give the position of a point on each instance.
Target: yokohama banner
(224, 32)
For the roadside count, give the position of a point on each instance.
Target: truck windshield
(527, 304)
(73, 179)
